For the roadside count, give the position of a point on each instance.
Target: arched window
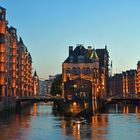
(83, 70)
(68, 71)
(78, 71)
(87, 70)
(73, 70)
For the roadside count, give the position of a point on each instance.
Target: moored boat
(79, 121)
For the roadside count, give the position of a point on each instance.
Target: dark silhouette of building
(124, 84)
(103, 55)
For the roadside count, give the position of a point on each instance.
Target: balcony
(2, 67)
(2, 48)
(2, 58)
(14, 52)
(3, 26)
(13, 74)
(2, 81)
(14, 60)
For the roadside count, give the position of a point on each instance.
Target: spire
(21, 41)
(106, 47)
(35, 74)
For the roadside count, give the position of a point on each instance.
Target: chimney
(2, 13)
(89, 47)
(70, 50)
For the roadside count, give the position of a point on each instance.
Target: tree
(56, 88)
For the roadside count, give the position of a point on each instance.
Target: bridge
(130, 99)
(39, 99)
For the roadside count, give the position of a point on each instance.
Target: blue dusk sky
(48, 27)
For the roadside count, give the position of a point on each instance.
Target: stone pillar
(3, 91)
(94, 99)
(63, 90)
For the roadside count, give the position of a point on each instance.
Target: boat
(79, 121)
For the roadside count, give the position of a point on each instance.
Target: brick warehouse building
(124, 84)
(138, 78)
(15, 62)
(103, 55)
(83, 76)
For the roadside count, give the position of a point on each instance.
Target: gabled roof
(2, 8)
(94, 55)
(87, 55)
(138, 63)
(102, 51)
(21, 44)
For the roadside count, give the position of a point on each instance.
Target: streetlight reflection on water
(98, 127)
(40, 121)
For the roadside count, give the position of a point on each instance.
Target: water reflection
(125, 109)
(13, 127)
(99, 125)
(94, 128)
(76, 131)
(42, 122)
(35, 109)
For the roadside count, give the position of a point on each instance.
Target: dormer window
(71, 59)
(81, 59)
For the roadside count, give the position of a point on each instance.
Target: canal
(42, 122)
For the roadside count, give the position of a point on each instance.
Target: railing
(123, 99)
(38, 98)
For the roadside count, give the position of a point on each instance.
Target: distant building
(138, 77)
(45, 85)
(49, 82)
(132, 81)
(52, 77)
(124, 84)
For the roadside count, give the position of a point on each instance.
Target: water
(40, 122)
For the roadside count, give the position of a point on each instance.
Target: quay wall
(7, 104)
(11, 105)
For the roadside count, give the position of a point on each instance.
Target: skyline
(48, 25)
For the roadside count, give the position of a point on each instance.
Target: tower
(138, 77)
(103, 55)
(35, 83)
